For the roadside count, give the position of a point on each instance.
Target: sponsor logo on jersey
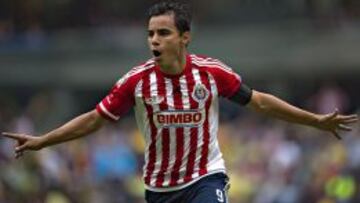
(184, 118)
(200, 93)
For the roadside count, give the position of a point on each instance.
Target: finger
(344, 127)
(16, 136)
(20, 148)
(336, 135)
(349, 121)
(348, 118)
(352, 116)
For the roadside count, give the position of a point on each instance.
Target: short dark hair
(181, 11)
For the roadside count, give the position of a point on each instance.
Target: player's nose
(154, 40)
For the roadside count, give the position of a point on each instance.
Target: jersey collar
(186, 69)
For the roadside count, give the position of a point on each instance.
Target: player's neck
(175, 67)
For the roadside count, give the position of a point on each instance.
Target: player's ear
(186, 38)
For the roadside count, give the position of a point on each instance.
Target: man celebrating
(175, 96)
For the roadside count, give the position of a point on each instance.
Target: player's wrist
(316, 121)
(43, 141)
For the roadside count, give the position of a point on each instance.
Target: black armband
(242, 95)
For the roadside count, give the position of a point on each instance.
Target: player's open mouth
(156, 53)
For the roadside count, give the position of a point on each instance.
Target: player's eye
(150, 33)
(164, 32)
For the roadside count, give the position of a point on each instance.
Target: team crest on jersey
(200, 93)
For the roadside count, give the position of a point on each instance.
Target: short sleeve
(119, 100)
(227, 81)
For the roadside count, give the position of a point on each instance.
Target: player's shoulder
(206, 62)
(136, 72)
(201, 58)
(142, 67)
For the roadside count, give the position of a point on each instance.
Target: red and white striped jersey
(178, 116)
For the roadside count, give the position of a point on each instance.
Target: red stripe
(152, 148)
(165, 134)
(193, 133)
(179, 156)
(165, 157)
(179, 136)
(206, 133)
(192, 155)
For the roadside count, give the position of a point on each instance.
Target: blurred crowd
(32, 21)
(268, 161)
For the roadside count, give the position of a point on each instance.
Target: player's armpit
(242, 95)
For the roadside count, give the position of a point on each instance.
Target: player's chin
(158, 59)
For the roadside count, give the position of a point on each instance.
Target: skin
(164, 37)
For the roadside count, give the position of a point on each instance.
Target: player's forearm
(275, 107)
(77, 127)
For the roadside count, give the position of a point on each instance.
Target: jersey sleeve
(227, 81)
(119, 100)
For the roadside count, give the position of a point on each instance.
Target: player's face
(165, 40)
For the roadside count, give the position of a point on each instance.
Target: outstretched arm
(77, 127)
(275, 107)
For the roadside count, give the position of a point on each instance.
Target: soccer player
(175, 96)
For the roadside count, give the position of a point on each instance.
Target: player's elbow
(96, 119)
(90, 122)
(259, 101)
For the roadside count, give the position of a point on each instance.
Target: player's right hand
(24, 142)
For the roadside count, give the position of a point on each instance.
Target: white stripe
(186, 105)
(200, 133)
(142, 120)
(216, 161)
(154, 90)
(172, 132)
(141, 112)
(154, 93)
(103, 108)
(108, 100)
(184, 92)
(196, 75)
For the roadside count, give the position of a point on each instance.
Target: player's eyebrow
(161, 31)
(164, 31)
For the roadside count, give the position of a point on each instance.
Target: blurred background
(59, 58)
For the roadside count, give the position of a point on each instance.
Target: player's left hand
(334, 122)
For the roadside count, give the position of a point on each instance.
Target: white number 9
(220, 195)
